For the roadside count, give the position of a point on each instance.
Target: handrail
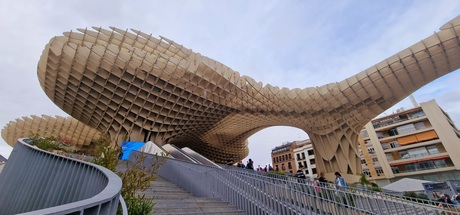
(124, 209)
(35, 181)
(258, 193)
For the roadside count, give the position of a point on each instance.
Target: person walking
(250, 164)
(340, 183)
(322, 180)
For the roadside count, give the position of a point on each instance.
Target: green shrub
(375, 189)
(410, 194)
(50, 144)
(137, 176)
(106, 155)
(45, 143)
(277, 172)
(373, 184)
(422, 196)
(139, 205)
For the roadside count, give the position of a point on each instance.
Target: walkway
(171, 199)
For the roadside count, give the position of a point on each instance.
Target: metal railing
(38, 182)
(262, 193)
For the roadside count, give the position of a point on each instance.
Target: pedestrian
(250, 164)
(300, 173)
(445, 201)
(340, 183)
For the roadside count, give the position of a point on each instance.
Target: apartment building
(421, 143)
(292, 156)
(304, 157)
(283, 159)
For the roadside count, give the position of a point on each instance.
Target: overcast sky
(284, 43)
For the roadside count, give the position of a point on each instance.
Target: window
(389, 156)
(419, 125)
(289, 165)
(375, 160)
(392, 132)
(370, 150)
(379, 171)
(440, 163)
(417, 114)
(313, 170)
(394, 144)
(404, 155)
(395, 170)
(298, 156)
(364, 133)
(418, 152)
(363, 161)
(424, 165)
(303, 155)
(405, 129)
(310, 152)
(410, 168)
(300, 164)
(432, 150)
(283, 167)
(312, 161)
(305, 164)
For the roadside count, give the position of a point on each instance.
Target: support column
(337, 152)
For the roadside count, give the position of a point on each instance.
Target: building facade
(304, 157)
(421, 143)
(293, 156)
(283, 158)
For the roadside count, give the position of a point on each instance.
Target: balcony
(387, 138)
(398, 120)
(417, 159)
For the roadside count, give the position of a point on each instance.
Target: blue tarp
(127, 147)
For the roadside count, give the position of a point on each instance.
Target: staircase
(171, 199)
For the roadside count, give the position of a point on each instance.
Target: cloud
(293, 44)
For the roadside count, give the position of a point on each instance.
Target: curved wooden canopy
(131, 83)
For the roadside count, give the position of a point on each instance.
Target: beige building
(283, 158)
(421, 143)
(292, 156)
(131, 84)
(304, 158)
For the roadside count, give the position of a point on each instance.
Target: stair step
(201, 213)
(173, 204)
(171, 199)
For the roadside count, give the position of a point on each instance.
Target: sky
(286, 43)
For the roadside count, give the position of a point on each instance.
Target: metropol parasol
(131, 84)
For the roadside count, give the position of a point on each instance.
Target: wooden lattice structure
(64, 129)
(128, 83)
